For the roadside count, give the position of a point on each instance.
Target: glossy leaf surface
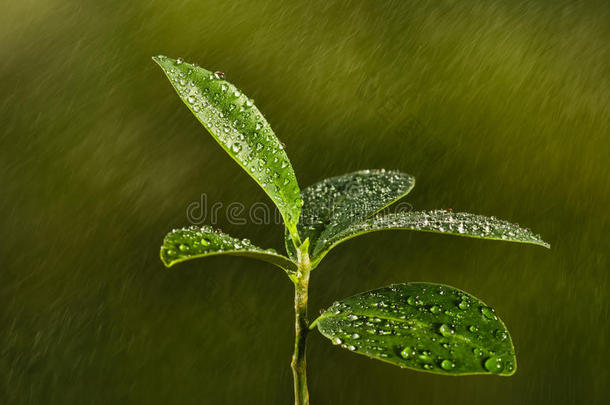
(422, 326)
(440, 221)
(192, 243)
(240, 128)
(346, 199)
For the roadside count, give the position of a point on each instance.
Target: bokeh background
(497, 107)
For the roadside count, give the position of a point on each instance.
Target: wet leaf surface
(193, 243)
(346, 199)
(422, 326)
(440, 221)
(240, 128)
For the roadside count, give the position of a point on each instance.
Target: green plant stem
(299, 364)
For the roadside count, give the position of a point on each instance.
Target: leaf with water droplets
(193, 242)
(422, 326)
(240, 128)
(348, 199)
(439, 221)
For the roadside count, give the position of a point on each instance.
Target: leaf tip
(166, 261)
(159, 58)
(165, 62)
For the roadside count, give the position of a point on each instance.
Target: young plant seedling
(421, 326)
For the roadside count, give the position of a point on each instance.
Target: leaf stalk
(301, 324)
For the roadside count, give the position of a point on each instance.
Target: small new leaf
(242, 131)
(191, 243)
(346, 199)
(422, 326)
(440, 221)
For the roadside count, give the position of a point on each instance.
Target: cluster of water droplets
(440, 221)
(193, 241)
(240, 128)
(341, 200)
(422, 326)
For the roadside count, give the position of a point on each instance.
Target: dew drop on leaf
(407, 352)
(463, 305)
(488, 313)
(447, 364)
(500, 334)
(494, 365)
(446, 330)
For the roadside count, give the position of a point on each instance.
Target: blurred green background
(497, 107)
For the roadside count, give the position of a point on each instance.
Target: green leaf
(348, 199)
(240, 128)
(439, 221)
(191, 243)
(422, 326)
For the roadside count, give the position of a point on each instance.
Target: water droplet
(337, 341)
(204, 242)
(435, 309)
(183, 248)
(425, 355)
(447, 365)
(464, 305)
(473, 328)
(446, 330)
(179, 61)
(351, 347)
(407, 352)
(494, 365)
(488, 313)
(355, 336)
(500, 334)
